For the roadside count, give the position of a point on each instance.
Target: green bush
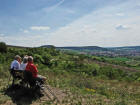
(3, 47)
(38, 58)
(2, 58)
(109, 72)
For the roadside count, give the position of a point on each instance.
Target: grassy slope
(86, 89)
(80, 87)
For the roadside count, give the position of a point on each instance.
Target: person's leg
(41, 77)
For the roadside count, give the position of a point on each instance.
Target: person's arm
(35, 70)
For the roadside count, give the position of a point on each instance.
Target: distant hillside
(127, 48)
(84, 48)
(102, 51)
(81, 48)
(96, 50)
(90, 48)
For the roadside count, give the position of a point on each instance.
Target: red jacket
(32, 68)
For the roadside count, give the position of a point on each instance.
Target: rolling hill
(102, 51)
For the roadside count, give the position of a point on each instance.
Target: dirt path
(52, 94)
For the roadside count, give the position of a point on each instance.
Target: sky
(104, 23)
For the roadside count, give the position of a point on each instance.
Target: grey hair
(17, 57)
(25, 59)
(30, 58)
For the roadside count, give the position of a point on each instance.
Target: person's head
(25, 59)
(26, 56)
(18, 58)
(30, 59)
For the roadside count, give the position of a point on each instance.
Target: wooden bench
(17, 75)
(25, 77)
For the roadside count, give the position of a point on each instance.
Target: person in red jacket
(33, 69)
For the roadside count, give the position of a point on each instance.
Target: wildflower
(90, 90)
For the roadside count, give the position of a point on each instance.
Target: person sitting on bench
(15, 69)
(24, 63)
(33, 69)
(15, 65)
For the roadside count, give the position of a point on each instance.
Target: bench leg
(13, 82)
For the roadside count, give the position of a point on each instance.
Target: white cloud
(88, 29)
(122, 27)
(39, 28)
(120, 14)
(97, 28)
(25, 40)
(0, 38)
(48, 9)
(138, 5)
(25, 31)
(2, 35)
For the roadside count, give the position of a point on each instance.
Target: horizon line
(71, 46)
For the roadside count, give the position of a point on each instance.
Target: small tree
(3, 47)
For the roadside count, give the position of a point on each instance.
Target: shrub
(3, 47)
(2, 58)
(38, 58)
(47, 60)
(110, 72)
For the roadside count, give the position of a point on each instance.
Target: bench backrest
(24, 75)
(17, 73)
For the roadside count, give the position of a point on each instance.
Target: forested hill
(80, 48)
(90, 48)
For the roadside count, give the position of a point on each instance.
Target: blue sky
(103, 23)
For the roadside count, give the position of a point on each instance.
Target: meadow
(82, 80)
